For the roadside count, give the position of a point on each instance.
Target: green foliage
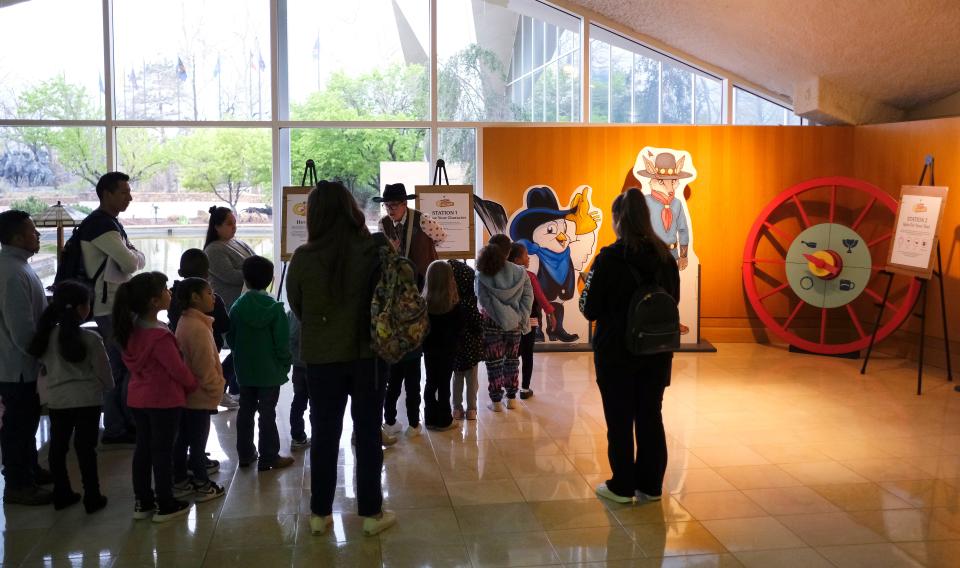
(226, 161)
(31, 205)
(470, 87)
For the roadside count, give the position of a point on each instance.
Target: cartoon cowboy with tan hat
(667, 215)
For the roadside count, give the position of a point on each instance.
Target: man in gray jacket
(108, 255)
(22, 301)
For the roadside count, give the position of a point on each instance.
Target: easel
(922, 298)
(438, 171)
(310, 170)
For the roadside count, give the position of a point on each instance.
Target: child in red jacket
(156, 393)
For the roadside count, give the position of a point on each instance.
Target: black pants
(192, 436)
(117, 418)
(632, 406)
(83, 425)
(526, 357)
(252, 401)
(230, 375)
(330, 385)
(436, 392)
(156, 435)
(18, 442)
(301, 399)
(404, 374)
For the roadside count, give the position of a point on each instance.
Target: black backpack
(71, 265)
(653, 320)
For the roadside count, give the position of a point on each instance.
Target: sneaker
(93, 503)
(173, 510)
(526, 393)
(386, 438)
(213, 466)
(143, 510)
(393, 429)
(319, 525)
(472, 414)
(229, 402)
(280, 463)
(451, 426)
(64, 501)
(375, 525)
(204, 491)
(644, 498)
(296, 445)
(602, 491)
(414, 431)
(119, 441)
(251, 461)
(458, 414)
(30, 495)
(183, 489)
(43, 477)
(496, 406)
(512, 403)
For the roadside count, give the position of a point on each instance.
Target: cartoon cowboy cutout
(667, 178)
(560, 242)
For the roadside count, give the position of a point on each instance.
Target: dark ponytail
(67, 297)
(631, 217)
(492, 259)
(217, 216)
(186, 288)
(133, 299)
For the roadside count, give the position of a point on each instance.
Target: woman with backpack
(325, 281)
(631, 386)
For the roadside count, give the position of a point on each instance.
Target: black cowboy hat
(542, 206)
(394, 192)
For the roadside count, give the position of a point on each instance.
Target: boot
(538, 335)
(558, 333)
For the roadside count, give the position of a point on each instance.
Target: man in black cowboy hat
(415, 234)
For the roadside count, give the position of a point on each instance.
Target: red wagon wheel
(812, 260)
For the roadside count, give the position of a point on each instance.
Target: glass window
(199, 61)
(748, 108)
(621, 85)
(458, 148)
(359, 60)
(676, 94)
(568, 88)
(50, 163)
(51, 57)
(599, 81)
(363, 159)
(489, 50)
(177, 173)
(646, 89)
(709, 100)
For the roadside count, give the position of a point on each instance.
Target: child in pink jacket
(157, 391)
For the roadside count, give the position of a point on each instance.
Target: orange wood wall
(740, 169)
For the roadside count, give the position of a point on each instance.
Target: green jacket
(335, 322)
(260, 339)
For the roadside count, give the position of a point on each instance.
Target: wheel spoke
(863, 214)
(769, 260)
(793, 314)
(803, 212)
(880, 239)
(879, 298)
(774, 291)
(833, 203)
(856, 321)
(823, 325)
(778, 231)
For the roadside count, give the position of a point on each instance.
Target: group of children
(176, 382)
(176, 378)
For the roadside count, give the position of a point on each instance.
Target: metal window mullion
(279, 99)
(585, 69)
(109, 131)
(434, 85)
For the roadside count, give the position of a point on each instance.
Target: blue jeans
(252, 401)
(117, 419)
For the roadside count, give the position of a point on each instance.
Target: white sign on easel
(915, 233)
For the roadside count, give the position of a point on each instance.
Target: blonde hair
(440, 289)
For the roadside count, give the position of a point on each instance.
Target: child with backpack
(76, 373)
(446, 324)
(195, 337)
(195, 264)
(260, 338)
(468, 351)
(159, 384)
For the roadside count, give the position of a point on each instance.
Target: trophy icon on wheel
(850, 244)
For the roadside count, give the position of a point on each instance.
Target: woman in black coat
(631, 386)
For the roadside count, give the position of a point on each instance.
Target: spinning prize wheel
(811, 266)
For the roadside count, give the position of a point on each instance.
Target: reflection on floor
(776, 459)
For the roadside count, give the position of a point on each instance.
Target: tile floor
(776, 459)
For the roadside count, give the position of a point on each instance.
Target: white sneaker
(386, 438)
(229, 402)
(604, 492)
(496, 406)
(644, 498)
(183, 489)
(374, 525)
(413, 432)
(393, 429)
(319, 525)
(511, 403)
